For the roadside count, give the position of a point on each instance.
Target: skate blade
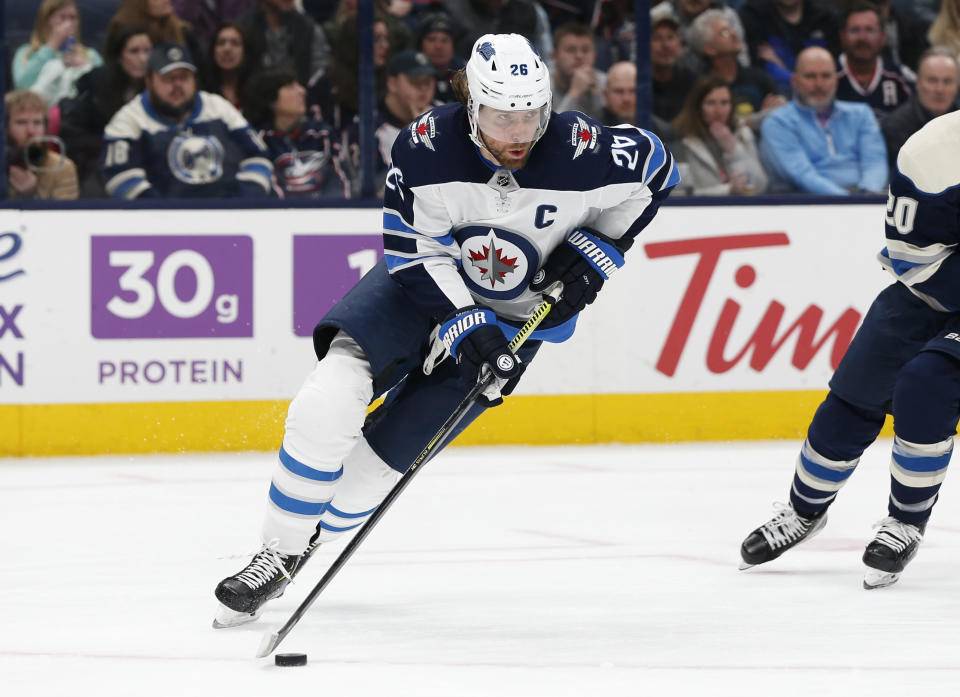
(743, 566)
(226, 618)
(879, 579)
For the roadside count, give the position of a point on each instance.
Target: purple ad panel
(325, 267)
(171, 287)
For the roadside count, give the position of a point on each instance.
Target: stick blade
(269, 642)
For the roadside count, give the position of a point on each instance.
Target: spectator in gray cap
(436, 37)
(410, 92)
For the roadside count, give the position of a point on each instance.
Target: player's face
(175, 89)
(863, 38)
(136, 52)
(815, 79)
(291, 101)
(509, 135)
(937, 84)
(25, 124)
(228, 49)
(573, 52)
(438, 47)
(716, 106)
(664, 45)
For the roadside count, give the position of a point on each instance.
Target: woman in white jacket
(55, 58)
(720, 152)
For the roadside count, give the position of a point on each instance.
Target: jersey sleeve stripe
(128, 184)
(656, 158)
(395, 223)
(904, 251)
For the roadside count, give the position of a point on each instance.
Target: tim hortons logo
(768, 338)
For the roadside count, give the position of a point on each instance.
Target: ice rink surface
(500, 572)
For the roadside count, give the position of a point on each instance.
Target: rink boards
(186, 330)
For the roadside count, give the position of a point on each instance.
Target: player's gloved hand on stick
(583, 263)
(471, 335)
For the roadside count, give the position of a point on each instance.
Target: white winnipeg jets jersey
(459, 231)
(923, 214)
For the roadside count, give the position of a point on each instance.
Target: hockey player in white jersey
(487, 203)
(904, 361)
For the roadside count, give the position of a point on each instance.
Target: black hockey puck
(290, 659)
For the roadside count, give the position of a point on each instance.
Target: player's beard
(502, 154)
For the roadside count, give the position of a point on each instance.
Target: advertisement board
(190, 329)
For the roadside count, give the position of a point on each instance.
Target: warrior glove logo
(505, 362)
(605, 258)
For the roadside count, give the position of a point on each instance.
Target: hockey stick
(273, 638)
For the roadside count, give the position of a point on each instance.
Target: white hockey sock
(365, 482)
(322, 427)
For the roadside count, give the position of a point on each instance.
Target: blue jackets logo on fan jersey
(195, 159)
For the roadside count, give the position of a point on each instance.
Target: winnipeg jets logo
(424, 130)
(486, 50)
(582, 137)
(491, 262)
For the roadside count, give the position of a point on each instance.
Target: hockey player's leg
(366, 480)
(323, 426)
(925, 410)
(838, 435)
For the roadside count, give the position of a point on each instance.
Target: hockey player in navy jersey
(904, 360)
(173, 141)
(488, 201)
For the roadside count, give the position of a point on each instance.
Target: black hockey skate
(785, 530)
(889, 552)
(243, 595)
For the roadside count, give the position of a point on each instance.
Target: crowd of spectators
(203, 98)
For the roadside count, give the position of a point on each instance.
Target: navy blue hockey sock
(838, 435)
(926, 405)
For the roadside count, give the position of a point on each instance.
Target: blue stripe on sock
(922, 464)
(305, 471)
(821, 472)
(297, 506)
(331, 528)
(341, 514)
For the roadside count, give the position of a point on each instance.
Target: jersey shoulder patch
(435, 147)
(929, 157)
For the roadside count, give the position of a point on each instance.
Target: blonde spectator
(35, 170)
(55, 52)
(720, 151)
(945, 30)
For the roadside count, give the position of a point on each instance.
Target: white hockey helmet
(506, 74)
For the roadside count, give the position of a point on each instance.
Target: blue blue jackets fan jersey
(923, 214)
(214, 153)
(459, 230)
